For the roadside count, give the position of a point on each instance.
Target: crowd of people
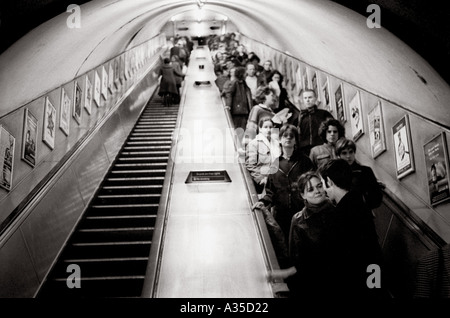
(316, 198)
(174, 68)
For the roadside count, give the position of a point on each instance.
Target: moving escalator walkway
(111, 243)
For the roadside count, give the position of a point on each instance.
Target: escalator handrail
(269, 252)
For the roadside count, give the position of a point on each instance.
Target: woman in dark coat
(307, 276)
(168, 84)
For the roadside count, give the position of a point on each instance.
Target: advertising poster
(326, 97)
(77, 95)
(88, 96)
(104, 83)
(29, 141)
(7, 145)
(376, 131)
(404, 160)
(97, 89)
(356, 118)
(436, 162)
(49, 129)
(64, 117)
(339, 100)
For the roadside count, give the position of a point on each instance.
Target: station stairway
(111, 243)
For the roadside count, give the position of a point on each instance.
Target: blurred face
(309, 99)
(271, 100)
(348, 155)
(266, 128)
(314, 192)
(267, 66)
(233, 72)
(288, 139)
(251, 70)
(332, 134)
(276, 77)
(328, 189)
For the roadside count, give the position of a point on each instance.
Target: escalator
(111, 243)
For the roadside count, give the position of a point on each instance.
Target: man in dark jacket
(351, 241)
(238, 98)
(309, 121)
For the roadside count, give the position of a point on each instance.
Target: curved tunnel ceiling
(321, 33)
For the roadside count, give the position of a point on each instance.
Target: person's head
(309, 97)
(346, 149)
(336, 176)
(267, 65)
(433, 173)
(251, 70)
(166, 60)
(289, 137)
(331, 130)
(310, 188)
(175, 58)
(239, 72)
(240, 48)
(265, 126)
(230, 63)
(233, 72)
(265, 95)
(277, 77)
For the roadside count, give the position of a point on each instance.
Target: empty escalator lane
(111, 243)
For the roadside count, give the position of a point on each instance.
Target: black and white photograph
(7, 147)
(291, 196)
(29, 138)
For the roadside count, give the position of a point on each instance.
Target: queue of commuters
(317, 198)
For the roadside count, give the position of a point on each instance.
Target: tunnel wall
(413, 187)
(46, 199)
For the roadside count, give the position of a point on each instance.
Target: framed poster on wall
(436, 162)
(305, 80)
(29, 138)
(77, 95)
(404, 159)
(88, 96)
(339, 100)
(356, 118)
(111, 78)
(7, 145)
(315, 87)
(97, 89)
(376, 131)
(326, 96)
(49, 129)
(104, 83)
(64, 116)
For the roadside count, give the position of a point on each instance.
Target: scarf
(324, 206)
